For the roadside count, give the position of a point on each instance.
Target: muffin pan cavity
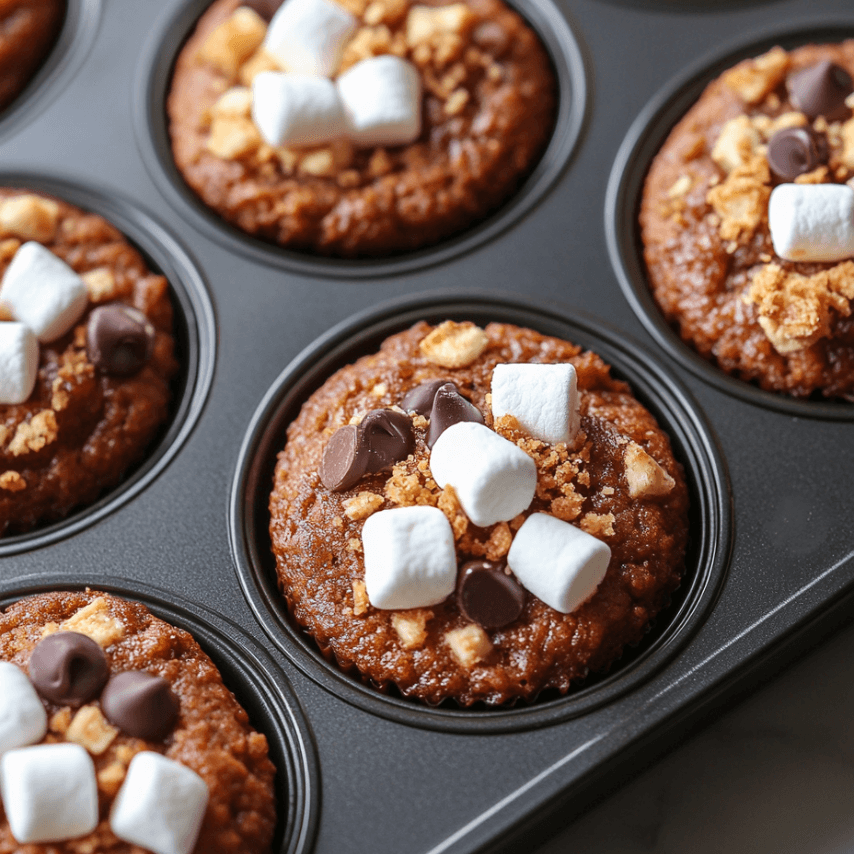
(249, 673)
(694, 447)
(195, 338)
(152, 87)
(622, 205)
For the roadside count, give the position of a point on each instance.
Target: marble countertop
(774, 775)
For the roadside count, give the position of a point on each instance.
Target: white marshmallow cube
(19, 362)
(559, 563)
(308, 36)
(542, 398)
(42, 291)
(160, 805)
(812, 222)
(494, 480)
(410, 559)
(382, 101)
(49, 792)
(296, 109)
(23, 719)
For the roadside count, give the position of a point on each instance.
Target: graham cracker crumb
(499, 542)
(8, 248)
(90, 729)
(232, 137)
(567, 507)
(411, 626)
(453, 345)
(361, 603)
(795, 311)
(680, 187)
(469, 644)
(598, 525)
(96, 621)
(756, 78)
(643, 474)
(234, 41)
(101, 284)
(354, 545)
(741, 201)
(12, 481)
(410, 489)
(60, 721)
(59, 397)
(736, 144)
(33, 435)
(29, 217)
(111, 777)
(258, 62)
(456, 102)
(362, 505)
(450, 506)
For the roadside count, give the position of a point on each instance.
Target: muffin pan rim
(151, 132)
(194, 316)
(622, 204)
(251, 486)
(293, 735)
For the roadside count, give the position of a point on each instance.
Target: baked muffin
(744, 222)
(397, 126)
(119, 736)
(28, 30)
(86, 358)
(476, 515)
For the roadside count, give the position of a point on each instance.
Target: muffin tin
(770, 563)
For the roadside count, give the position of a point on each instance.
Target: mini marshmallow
(308, 36)
(160, 805)
(19, 362)
(23, 719)
(494, 480)
(49, 792)
(42, 291)
(410, 559)
(296, 109)
(812, 222)
(542, 398)
(382, 101)
(559, 563)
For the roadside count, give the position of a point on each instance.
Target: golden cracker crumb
(598, 525)
(499, 542)
(29, 217)
(232, 137)
(89, 728)
(453, 345)
(754, 79)
(60, 721)
(741, 201)
(469, 644)
(362, 505)
(411, 626)
(35, 434)
(456, 102)
(736, 143)
(101, 284)
(644, 475)
(361, 603)
(96, 621)
(111, 777)
(230, 44)
(354, 545)
(12, 481)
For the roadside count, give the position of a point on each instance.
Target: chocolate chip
(119, 339)
(344, 460)
(487, 595)
(821, 90)
(795, 151)
(449, 407)
(265, 8)
(68, 668)
(420, 398)
(388, 436)
(141, 705)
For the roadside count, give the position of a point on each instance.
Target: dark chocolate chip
(795, 151)
(420, 398)
(449, 407)
(265, 8)
(487, 595)
(68, 668)
(388, 437)
(344, 459)
(119, 339)
(821, 90)
(140, 705)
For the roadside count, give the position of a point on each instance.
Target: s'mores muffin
(359, 128)
(86, 358)
(476, 515)
(747, 221)
(118, 735)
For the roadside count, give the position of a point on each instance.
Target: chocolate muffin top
(102, 388)
(736, 293)
(182, 712)
(487, 105)
(489, 639)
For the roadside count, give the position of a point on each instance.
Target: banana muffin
(28, 30)
(119, 736)
(86, 358)
(367, 128)
(476, 515)
(747, 222)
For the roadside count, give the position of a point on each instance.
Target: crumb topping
(454, 345)
(757, 78)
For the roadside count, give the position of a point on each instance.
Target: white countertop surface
(774, 775)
